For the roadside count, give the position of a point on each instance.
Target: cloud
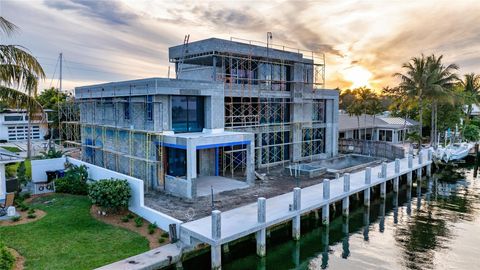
(112, 12)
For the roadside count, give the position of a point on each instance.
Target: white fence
(39, 167)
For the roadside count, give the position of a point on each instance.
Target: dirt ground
(276, 183)
(115, 220)
(19, 260)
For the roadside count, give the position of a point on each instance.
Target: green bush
(31, 216)
(138, 222)
(161, 240)
(471, 133)
(7, 260)
(165, 234)
(15, 218)
(74, 180)
(125, 219)
(130, 216)
(152, 225)
(151, 231)
(110, 194)
(31, 211)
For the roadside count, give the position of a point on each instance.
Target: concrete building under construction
(235, 106)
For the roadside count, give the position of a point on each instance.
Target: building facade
(234, 107)
(14, 126)
(381, 128)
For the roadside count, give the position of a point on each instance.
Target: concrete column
(345, 240)
(429, 170)
(410, 161)
(346, 182)
(397, 166)
(366, 223)
(420, 157)
(191, 169)
(3, 182)
(383, 190)
(395, 208)
(395, 184)
(326, 189)
(326, 207)
(216, 251)
(368, 175)
(409, 201)
(345, 206)
(261, 234)
(251, 163)
(381, 223)
(366, 197)
(296, 207)
(346, 200)
(430, 154)
(419, 174)
(409, 178)
(325, 244)
(384, 170)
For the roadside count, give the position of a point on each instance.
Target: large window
(187, 114)
(177, 162)
(385, 135)
(13, 118)
(318, 110)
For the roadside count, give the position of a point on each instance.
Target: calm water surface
(433, 227)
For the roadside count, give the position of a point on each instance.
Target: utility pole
(61, 60)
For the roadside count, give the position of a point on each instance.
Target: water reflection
(417, 240)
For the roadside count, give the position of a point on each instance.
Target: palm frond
(7, 27)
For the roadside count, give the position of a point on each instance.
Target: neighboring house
(6, 157)
(382, 128)
(234, 107)
(14, 126)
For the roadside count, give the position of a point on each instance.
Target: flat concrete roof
(207, 139)
(217, 45)
(147, 86)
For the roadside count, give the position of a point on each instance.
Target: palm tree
(375, 107)
(355, 109)
(19, 70)
(443, 79)
(363, 97)
(471, 90)
(414, 83)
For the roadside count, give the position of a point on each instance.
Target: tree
(375, 107)
(471, 91)
(426, 79)
(355, 109)
(52, 99)
(440, 90)
(471, 133)
(19, 69)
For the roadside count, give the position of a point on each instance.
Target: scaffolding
(260, 93)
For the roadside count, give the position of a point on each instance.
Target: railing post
(326, 207)
(368, 175)
(384, 170)
(216, 252)
(296, 207)
(346, 200)
(397, 166)
(410, 161)
(261, 235)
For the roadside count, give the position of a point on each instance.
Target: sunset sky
(365, 41)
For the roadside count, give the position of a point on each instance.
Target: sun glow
(358, 76)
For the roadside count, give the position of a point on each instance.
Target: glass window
(126, 109)
(177, 162)
(13, 118)
(187, 114)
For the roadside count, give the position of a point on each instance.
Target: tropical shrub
(74, 181)
(471, 133)
(51, 153)
(138, 222)
(6, 258)
(110, 194)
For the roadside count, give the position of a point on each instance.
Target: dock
(221, 228)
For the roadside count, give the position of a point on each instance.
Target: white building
(14, 126)
(381, 128)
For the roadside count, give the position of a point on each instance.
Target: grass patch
(12, 149)
(68, 237)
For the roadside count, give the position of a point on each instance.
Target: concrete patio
(219, 184)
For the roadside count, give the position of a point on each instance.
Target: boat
(453, 152)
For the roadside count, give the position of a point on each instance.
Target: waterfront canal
(440, 229)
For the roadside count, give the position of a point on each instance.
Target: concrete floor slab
(219, 184)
